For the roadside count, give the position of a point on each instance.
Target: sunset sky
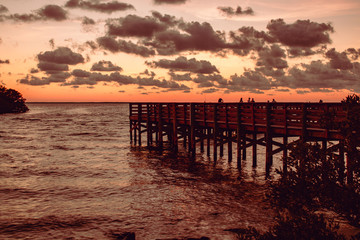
(180, 50)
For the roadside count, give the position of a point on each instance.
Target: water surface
(68, 171)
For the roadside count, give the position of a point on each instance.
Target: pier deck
(240, 123)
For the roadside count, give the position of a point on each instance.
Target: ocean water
(68, 171)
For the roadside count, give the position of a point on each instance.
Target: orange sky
(181, 50)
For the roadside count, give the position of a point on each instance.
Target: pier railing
(318, 120)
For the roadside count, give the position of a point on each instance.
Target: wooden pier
(276, 126)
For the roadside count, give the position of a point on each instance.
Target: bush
(11, 101)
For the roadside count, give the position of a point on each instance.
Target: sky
(180, 50)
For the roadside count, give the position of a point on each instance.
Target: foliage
(11, 101)
(299, 227)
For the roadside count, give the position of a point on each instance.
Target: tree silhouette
(11, 101)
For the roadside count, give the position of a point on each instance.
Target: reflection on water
(68, 171)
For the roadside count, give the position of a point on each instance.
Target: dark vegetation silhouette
(11, 101)
(317, 181)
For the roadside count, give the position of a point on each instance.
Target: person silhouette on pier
(248, 99)
(220, 100)
(252, 100)
(241, 100)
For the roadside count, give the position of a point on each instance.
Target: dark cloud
(210, 90)
(170, 1)
(273, 57)
(184, 64)
(80, 73)
(62, 55)
(34, 70)
(354, 54)
(300, 51)
(252, 81)
(3, 9)
(135, 26)
(87, 21)
(339, 60)
(105, 66)
(4, 61)
(169, 85)
(51, 66)
(302, 33)
(167, 19)
(53, 12)
(52, 78)
(231, 12)
(180, 77)
(319, 75)
(49, 12)
(108, 7)
(196, 37)
(109, 43)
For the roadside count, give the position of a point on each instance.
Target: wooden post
(174, 124)
(192, 130)
(303, 136)
(285, 142)
(131, 123)
(160, 127)
(208, 142)
(349, 170)
(254, 149)
(139, 121)
(268, 139)
(221, 142)
(201, 140)
(185, 126)
(148, 127)
(238, 135)
(285, 139)
(342, 161)
(229, 140)
(215, 132)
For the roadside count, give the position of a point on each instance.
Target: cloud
(339, 60)
(53, 78)
(109, 43)
(319, 75)
(196, 37)
(180, 77)
(210, 90)
(170, 1)
(62, 55)
(51, 66)
(184, 64)
(4, 61)
(135, 26)
(48, 12)
(87, 21)
(105, 66)
(273, 57)
(108, 7)
(231, 12)
(80, 73)
(302, 33)
(249, 81)
(3, 9)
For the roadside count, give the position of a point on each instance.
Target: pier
(240, 126)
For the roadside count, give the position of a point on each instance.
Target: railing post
(160, 127)
(131, 123)
(268, 139)
(175, 137)
(148, 127)
(215, 132)
(192, 130)
(238, 134)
